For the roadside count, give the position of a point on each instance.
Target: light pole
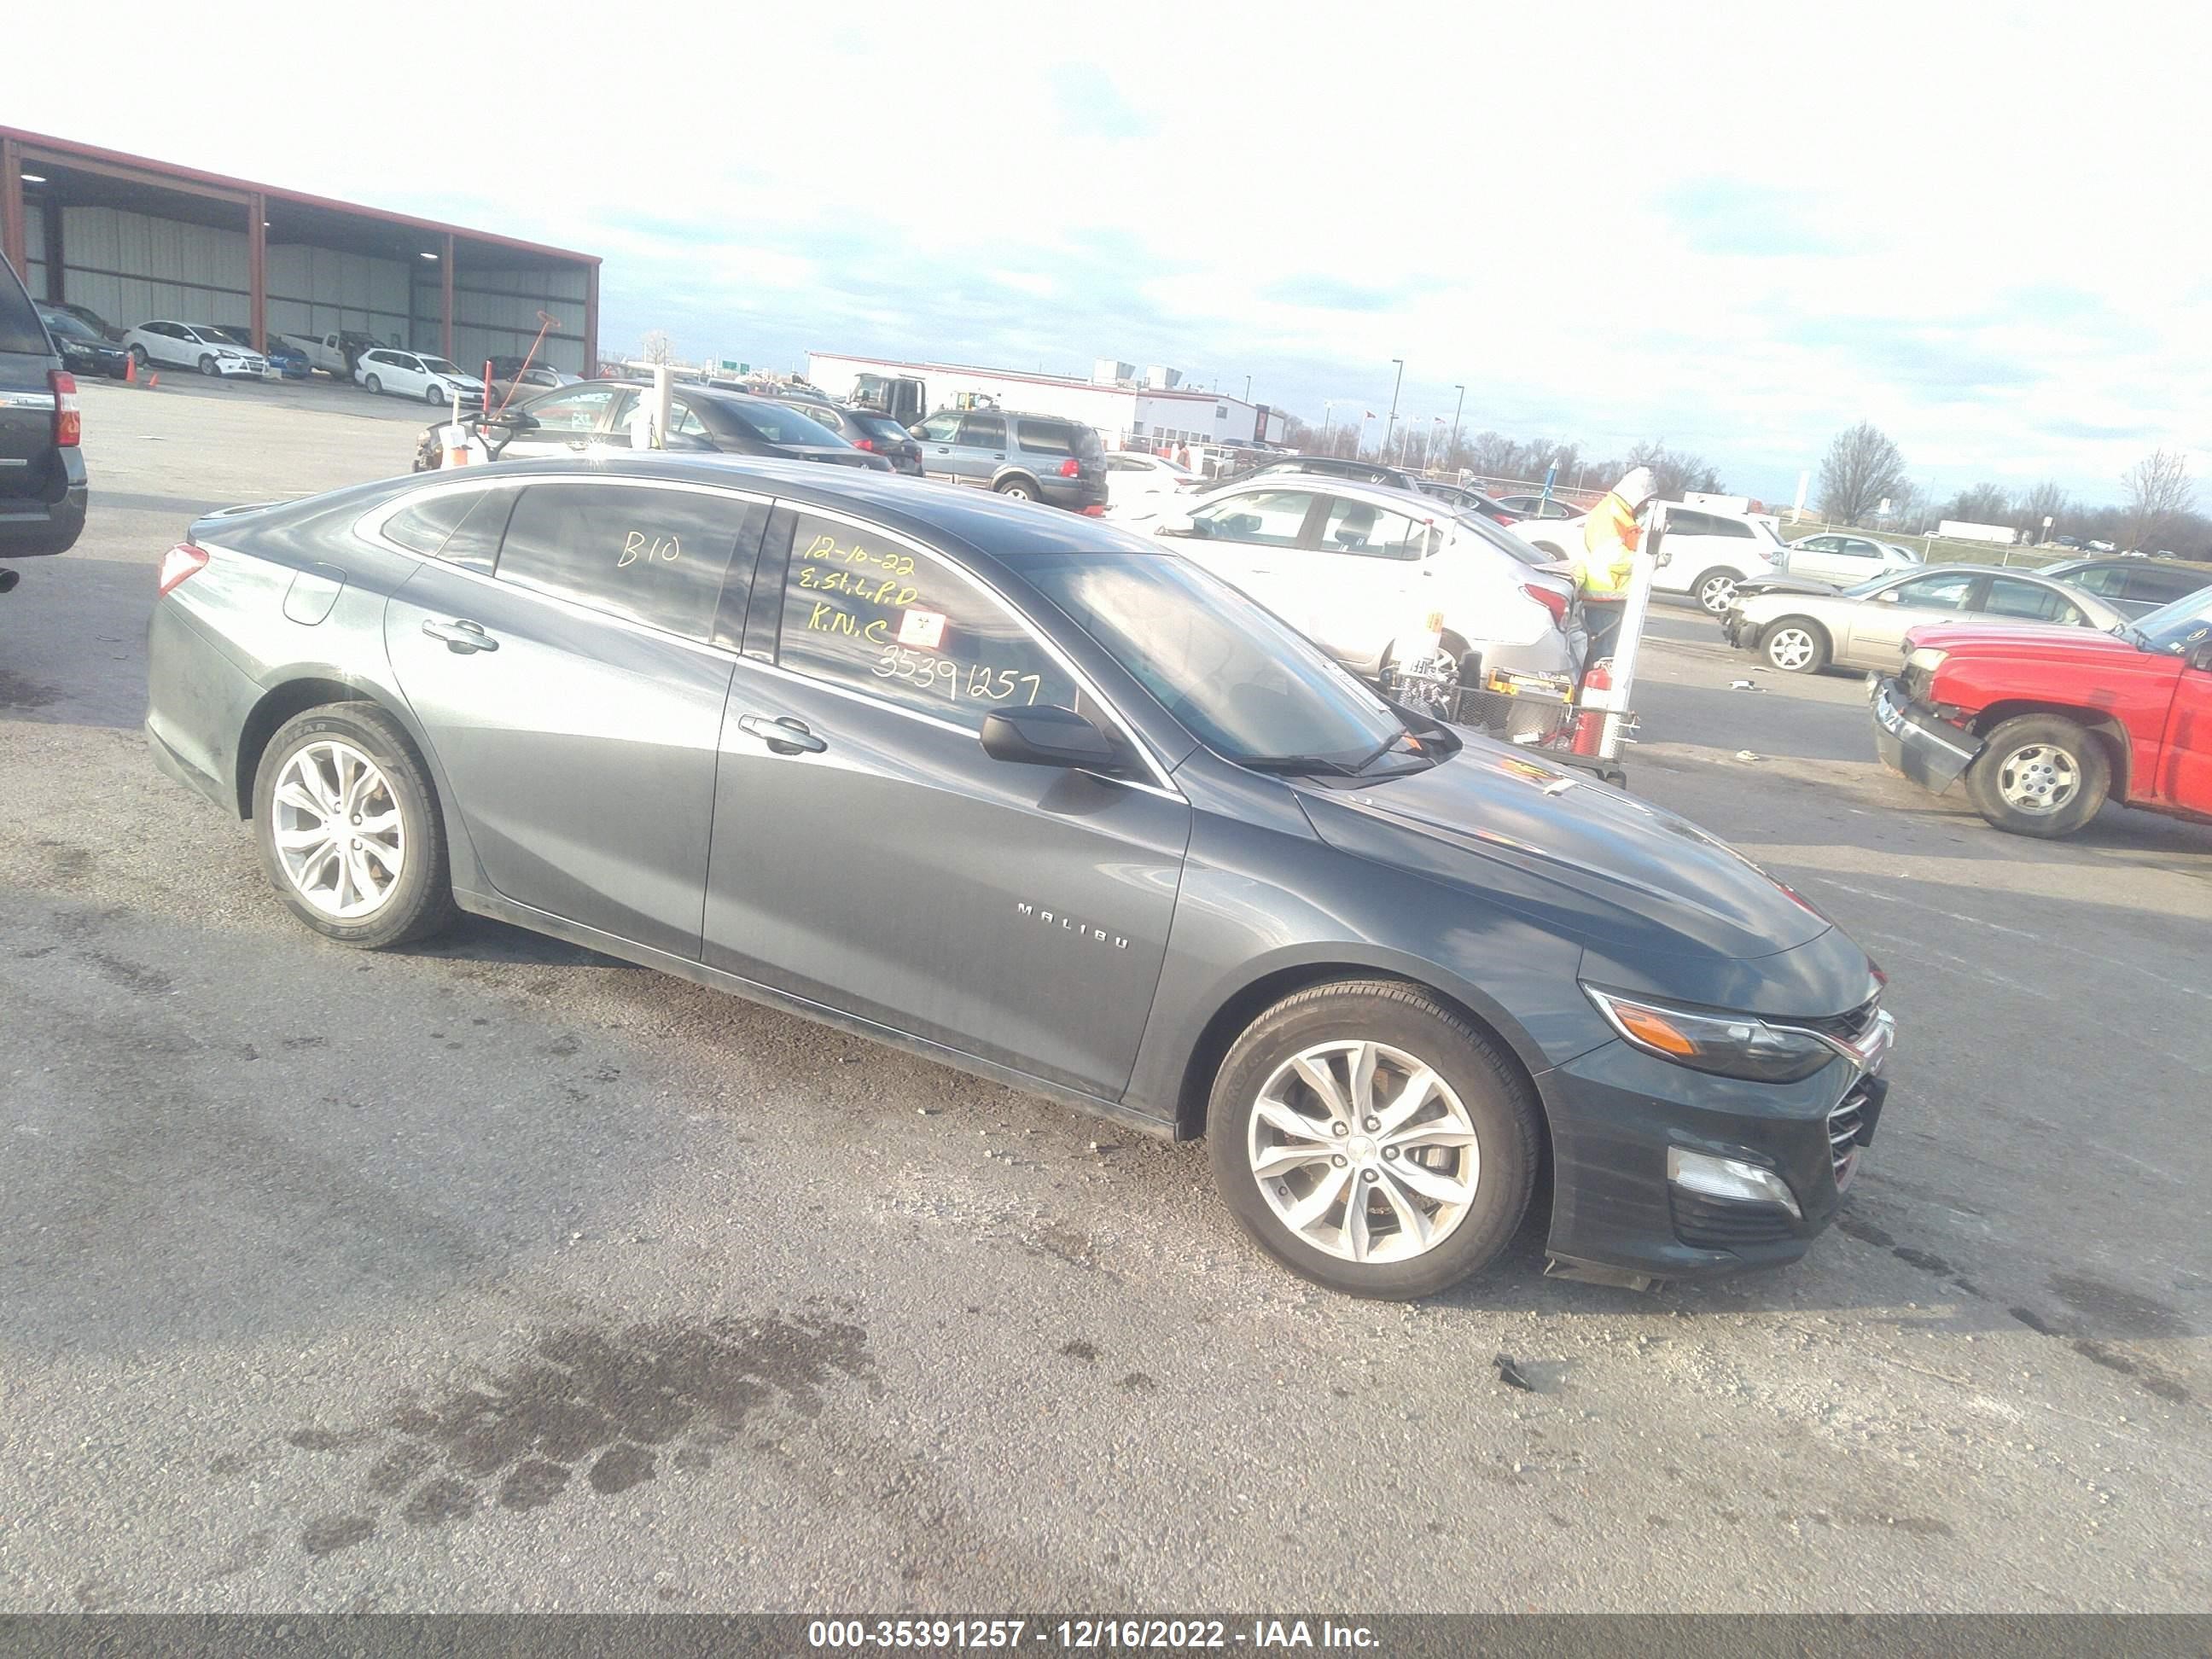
(1327, 414)
(1456, 407)
(1365, 416)
(1248, 388)
(1393, 424)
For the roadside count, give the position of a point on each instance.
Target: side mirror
(2200, 656)
(1182, 524)
(1046, 737)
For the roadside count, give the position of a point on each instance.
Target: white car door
(1131, 491)
(166, 343)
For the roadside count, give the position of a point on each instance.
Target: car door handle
(784, 735)
(461, 636)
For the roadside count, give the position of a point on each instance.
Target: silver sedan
(1804, 627)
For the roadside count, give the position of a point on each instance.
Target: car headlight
(1926, 658)
(1724, 1044)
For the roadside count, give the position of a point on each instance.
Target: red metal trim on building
(65, 152)
(591, 319)
(11, 206)
(446, 301)
(257, 270)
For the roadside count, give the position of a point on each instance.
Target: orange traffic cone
(130, 368)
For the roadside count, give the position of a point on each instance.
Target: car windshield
(780, 425)
(440, 366)
(2179, 627)
(60, 322)
(1249, 687)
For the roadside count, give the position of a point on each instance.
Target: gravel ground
(499, 1275)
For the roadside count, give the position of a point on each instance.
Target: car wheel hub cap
(1364, 1151)
(338, 830)
(1720, 592)
(2038, 779)
(1791, 649)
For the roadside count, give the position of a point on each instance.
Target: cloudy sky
(1736, 228)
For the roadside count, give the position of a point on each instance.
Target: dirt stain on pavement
(584, 1398)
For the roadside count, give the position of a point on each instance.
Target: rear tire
(1016, 489)
(1469, 1145)
(1715, 590)
(375, 386)
(2040, 776)
(1795, 645)
(354, 769)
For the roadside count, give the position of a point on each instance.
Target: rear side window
(656, 556)
(458, 526)
(19, 328)
(2105, 583)
(1045, 437)
(874, 615)
(983, 431)
(2011, 597)
(2159, 586)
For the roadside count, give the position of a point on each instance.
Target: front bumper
(1740, 631)
(1615, 1115)
(1913, 739)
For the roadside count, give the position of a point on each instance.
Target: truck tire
(2039, 774)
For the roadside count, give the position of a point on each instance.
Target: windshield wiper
(1299, 765)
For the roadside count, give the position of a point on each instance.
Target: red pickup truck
(2045, 724)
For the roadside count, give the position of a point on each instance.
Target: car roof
(991, 526)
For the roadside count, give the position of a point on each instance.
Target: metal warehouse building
(135, 240)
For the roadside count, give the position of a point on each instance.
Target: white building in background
(1153, 410)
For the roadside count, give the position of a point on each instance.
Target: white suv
(1702, 554)
(1361, 569)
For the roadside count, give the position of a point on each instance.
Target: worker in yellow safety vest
(1610, 535)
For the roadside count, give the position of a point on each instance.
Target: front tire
(430, 397)
(207, 366)
(1797, 644)
(350, 830)
(138, 357)
(1372, 1141)
(2040, 776)
(1716, 591)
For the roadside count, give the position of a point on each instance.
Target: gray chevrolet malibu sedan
(1023, 794)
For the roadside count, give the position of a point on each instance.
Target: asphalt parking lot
(497, 1274)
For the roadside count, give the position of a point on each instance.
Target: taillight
(1070, 468)
(864, 443)
(1550, 598)
(179, 562)
(69, 424)
(1094, 512)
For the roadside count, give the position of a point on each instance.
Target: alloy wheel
(1717, 594)
(1790, 648)
(1364, 1151)
(338, 830)
(2039, 778)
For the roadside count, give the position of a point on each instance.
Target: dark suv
(1031, 457)
(42, 489)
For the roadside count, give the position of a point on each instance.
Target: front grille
(1851, 1027)
(1713, 1224)
(1845, 1124)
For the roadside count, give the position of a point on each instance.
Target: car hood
(1754, 585)
(1577, 856)
(2043, 639)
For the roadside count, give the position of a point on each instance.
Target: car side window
(1123, 464)
(941, 428)
(1045, 437)
(983, 431)
(580, 411)
(874, 615)
(2105, 583)
(455, 526)
(2008, 595)
(1270, 518)
(2158, 587)
(1946, 592)
(683, 421)
(655, 556)
(1819, 544)
(1371, 531)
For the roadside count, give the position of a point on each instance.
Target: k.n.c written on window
(876, 616)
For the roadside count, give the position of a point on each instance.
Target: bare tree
(1675, 473)
(1861, 467)
(2159, 492)
(1985, 503)
(656, 347)
(2045, 500)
